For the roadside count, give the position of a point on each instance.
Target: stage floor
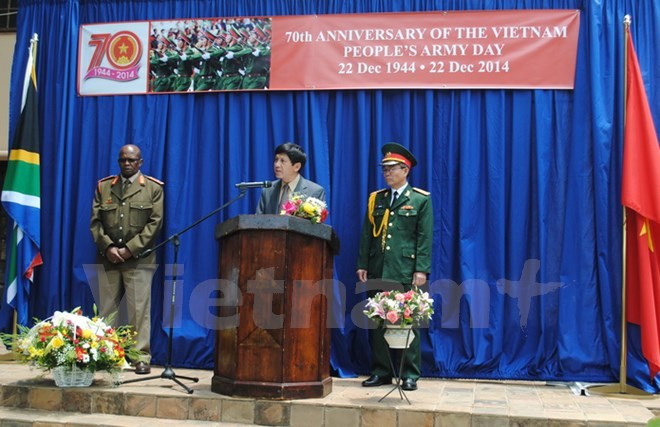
(29, 397)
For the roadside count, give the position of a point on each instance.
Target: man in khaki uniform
(127, 216)
(395, 247)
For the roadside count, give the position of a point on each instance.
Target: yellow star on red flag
(646, 230)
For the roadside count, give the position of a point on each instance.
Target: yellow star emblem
(646, 230)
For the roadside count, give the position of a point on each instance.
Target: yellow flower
(87, 333)
(56, 342)
(308, 208)
(36, 352)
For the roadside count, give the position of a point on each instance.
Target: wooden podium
(274, 342)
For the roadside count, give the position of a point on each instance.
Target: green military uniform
(395, 243)
(132, 219)
(231, 68)
(162, 69)
(207, 78)
(402, 247)
(257, 68)
(185, 65)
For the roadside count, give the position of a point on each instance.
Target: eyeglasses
(128, 160)
(387, 169)
(281, 160)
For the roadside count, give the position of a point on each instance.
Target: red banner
(487, 49)
(480, 49)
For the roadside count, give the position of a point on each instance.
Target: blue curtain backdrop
(528, 223)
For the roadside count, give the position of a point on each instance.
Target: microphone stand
(168, 373)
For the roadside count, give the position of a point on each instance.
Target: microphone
(257, 184)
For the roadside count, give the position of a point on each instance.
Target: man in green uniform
(127, 216)
(161, 65)
(256, 64)
(232, 66)
(186, 59)
(210, 53)
(395, 248)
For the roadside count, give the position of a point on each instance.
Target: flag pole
(622, 389)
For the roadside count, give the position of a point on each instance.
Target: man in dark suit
(289, 159)
(395, 248)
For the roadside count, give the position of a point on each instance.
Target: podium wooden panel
(280, 348)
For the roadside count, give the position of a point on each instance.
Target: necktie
(394, 196)
(285, 194)
(124, 187)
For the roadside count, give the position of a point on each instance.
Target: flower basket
(72, 376)
(74, 347)
(396, 308)
(399, 336)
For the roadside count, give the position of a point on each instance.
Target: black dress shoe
(409, 384)
(142, 368)
(376, 380)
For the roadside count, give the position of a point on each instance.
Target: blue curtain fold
(526, 270)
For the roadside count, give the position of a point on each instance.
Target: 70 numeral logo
(123, 50)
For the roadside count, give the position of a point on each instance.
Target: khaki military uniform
(131, 219)
(394, 244)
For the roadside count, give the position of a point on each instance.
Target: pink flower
(392, 316)
(289, 207)
(305, 207)
(407, 312)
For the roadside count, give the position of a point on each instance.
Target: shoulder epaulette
(107, 178)
(114, 179)
(379, 191)
(157, 181)
(420, 191)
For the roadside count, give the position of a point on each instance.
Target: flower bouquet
(398, 312)
(309, 208)
(72, 342)
(400, 308)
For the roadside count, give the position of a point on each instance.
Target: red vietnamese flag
(640, 193)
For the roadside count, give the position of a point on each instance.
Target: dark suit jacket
(270, 197)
